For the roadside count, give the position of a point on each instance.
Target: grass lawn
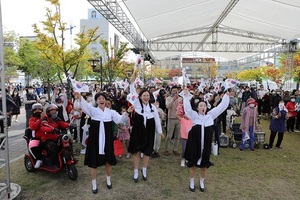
(262, 174)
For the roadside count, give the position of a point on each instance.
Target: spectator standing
(292, 113)
(185, 127)
(17, 100)
(266, 105)
(260, 95)
(157, 137)
(29, 99)
(277, 125)
(245, 96)
(249, 124)
(173, 126)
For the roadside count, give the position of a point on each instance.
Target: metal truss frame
(113, 12)
(223, 15)
(213, 47)
(220, 29)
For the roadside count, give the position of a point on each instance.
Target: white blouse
(204, 120)
(103, 116)
(147, 114)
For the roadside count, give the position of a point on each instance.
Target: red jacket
(48, 125)
(290, 106)
(35, 125)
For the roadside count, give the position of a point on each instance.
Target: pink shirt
(186, 125)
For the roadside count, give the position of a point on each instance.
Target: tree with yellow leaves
(290, 66)
(50, 43)
(251, 74)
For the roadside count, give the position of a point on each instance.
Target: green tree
(113, 60)
(11, 59)
(50, 43)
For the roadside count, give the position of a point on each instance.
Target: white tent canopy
(272, 17)
(262, 18)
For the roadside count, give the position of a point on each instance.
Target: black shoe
(95, 191)
(108, 186)
(136, 179)
(144, 178)
(153, 155)
(202, 189)
(157, 155)
(192, 189)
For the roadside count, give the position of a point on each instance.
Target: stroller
(236, 133)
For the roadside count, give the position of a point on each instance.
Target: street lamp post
(94, 63)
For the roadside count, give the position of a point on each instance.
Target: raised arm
(215, 112)
(189, 112)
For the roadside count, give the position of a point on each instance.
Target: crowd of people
(190, 114)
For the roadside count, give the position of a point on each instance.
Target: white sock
(192, 183)
(94, 184)
(135, 173)
(201, 182)
(108, 182)
(144, 171)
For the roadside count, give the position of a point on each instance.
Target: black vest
(29, 98)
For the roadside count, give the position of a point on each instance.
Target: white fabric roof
(272, 17)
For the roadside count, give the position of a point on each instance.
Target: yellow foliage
(251, 74)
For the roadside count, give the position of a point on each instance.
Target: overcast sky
(19, 15)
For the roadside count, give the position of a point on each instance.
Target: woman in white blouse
(145, 122)
(100, 150)
(198, 148)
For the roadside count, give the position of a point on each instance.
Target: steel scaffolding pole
(6, 185)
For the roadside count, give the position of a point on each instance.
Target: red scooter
(66, 159)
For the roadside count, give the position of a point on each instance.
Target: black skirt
(142, 138)
(92, 157)
(193, 147)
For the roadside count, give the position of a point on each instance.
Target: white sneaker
(296, 131)
(38, 164)
(182, 163)
(16, 120)
(142, 155)
(83, 151)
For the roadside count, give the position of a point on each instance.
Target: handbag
(118, 148)
(214, 149)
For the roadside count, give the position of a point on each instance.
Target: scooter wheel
(72, 172)
(234, 145)
(28, 164)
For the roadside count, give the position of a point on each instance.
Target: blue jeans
(252, 137)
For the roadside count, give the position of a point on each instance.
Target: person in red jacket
(35, 126)
(51, 126)
(292, 113)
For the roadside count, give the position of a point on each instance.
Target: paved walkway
(17, 145)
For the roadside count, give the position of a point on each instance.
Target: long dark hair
(140, 94)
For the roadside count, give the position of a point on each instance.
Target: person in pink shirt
(186, 125)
